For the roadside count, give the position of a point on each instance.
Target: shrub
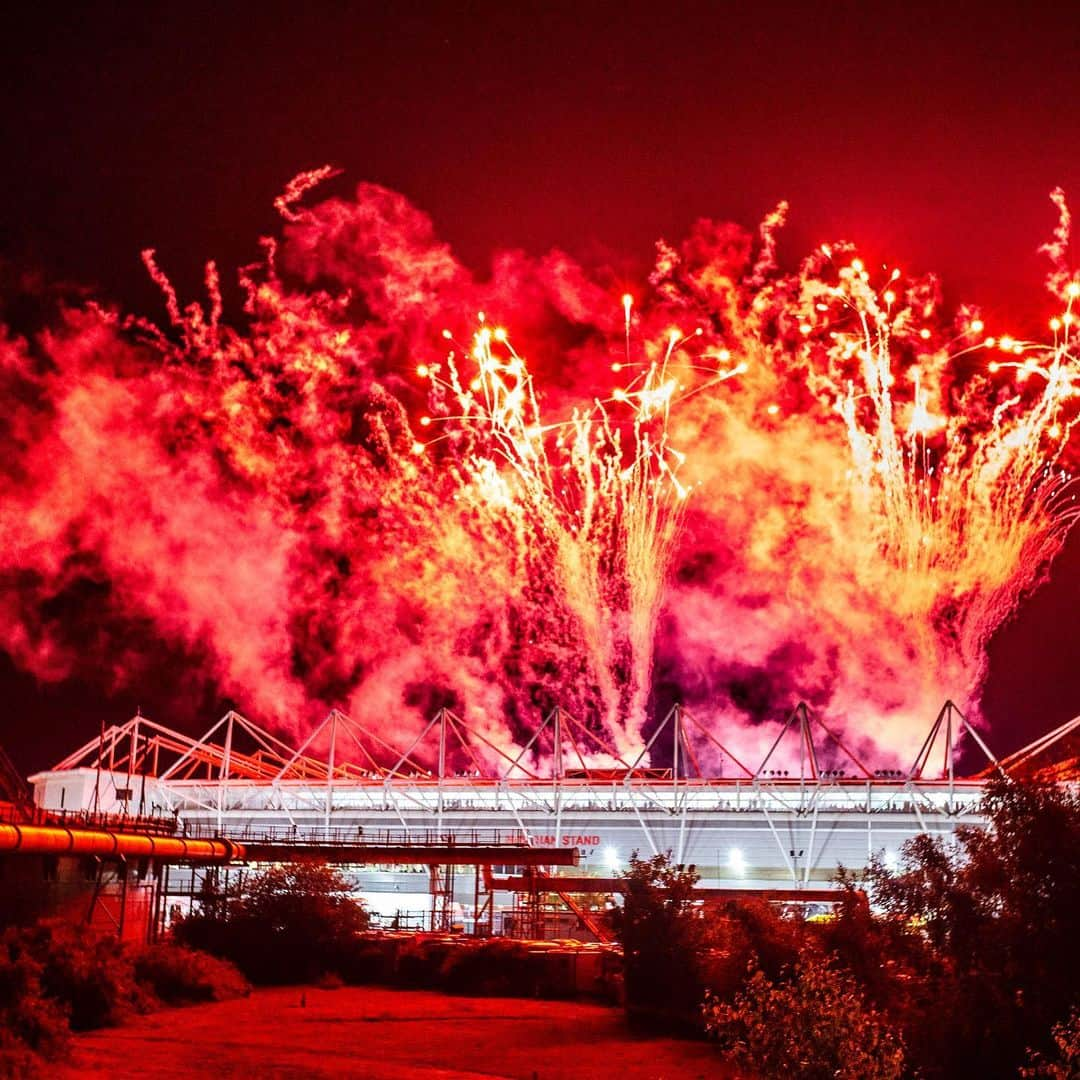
(420, 961)
(489, 968)
(675, 949)
(368, 959)
(30, 1023)
(55, 978)
(815, 1024)
(724, 972)
(880, 953)
(291, 924)
(752, 927)
(90, 976)
(745, 934)
(996, 917)
(177, 975)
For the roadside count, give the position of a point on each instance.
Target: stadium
(436, 838)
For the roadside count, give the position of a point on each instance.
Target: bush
(368, 959)
(746, 934)
(30, 1023)
(291, 924)
(814, 1024)
(675, 949)
(882, 954)
(489, 968)
(55, 978)
(177, 975)
(421, 961)
(90, 976)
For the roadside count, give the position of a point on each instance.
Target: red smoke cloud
(867, 494)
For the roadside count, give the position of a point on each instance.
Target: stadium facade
(784, 827)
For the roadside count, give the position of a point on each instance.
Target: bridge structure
(346, 793)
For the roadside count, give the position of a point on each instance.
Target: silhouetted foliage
(675, 948)
(89, 975)
(985, 932)
(421, 960)
(665, 940)
(1064, 1062)
(876, 951)
(745, 934)
(971, 956)
(56, 977)
(289, 924)
(176, 975)
(33, 1027)
(753, 929)
(813, 1023)
(490, 968)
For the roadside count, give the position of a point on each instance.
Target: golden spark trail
(968, 504)
(605, 508)
(877, 483)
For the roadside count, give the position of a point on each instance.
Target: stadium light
(736, 862)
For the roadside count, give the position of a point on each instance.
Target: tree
(675, 948)
(998, 914)
(1065, 1062)
(290, 924)
(665, 940)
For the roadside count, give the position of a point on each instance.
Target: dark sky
(929, 134)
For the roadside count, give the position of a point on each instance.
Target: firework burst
(591, 504)
(745, 487)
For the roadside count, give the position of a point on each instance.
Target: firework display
(391, 484)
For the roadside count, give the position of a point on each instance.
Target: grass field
(386, 1035)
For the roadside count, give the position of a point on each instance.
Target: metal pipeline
(59, 840)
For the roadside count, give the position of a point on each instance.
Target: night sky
(930, 135)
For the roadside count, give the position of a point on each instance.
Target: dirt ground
(383, 1034)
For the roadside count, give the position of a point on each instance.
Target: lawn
(384, 1034)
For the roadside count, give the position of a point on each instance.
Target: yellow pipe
(59, 840)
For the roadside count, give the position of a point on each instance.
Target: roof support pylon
(809, 767)
(950, 726)
(807, 751)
